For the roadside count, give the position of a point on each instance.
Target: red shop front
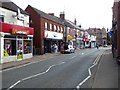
(16, 42)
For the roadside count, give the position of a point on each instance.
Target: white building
(16, 37)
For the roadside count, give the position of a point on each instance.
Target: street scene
(42, 50)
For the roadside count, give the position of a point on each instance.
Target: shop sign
(53, 35)
(17, 31)
(86, 39)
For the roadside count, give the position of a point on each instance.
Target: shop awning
(70, 37)
(15, 29)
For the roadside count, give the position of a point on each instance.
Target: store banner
(15, 29)
(23, 32)
(53, 35)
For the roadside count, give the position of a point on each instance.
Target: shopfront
(50, 39)
(16, 42)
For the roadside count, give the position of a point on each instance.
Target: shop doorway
(19, 49)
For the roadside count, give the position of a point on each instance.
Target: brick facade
(39, 19)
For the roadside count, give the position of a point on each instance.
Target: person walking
(97, 46)
(56, 48)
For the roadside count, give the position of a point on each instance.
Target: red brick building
(116, 29)
(48, 30)
(101, 35)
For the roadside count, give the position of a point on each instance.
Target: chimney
(51, 14)
(75, 21)
(62, 15)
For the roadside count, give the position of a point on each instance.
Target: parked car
(69, 49)
(105, 45)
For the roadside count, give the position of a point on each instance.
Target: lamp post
(65, 33)
(75, 40)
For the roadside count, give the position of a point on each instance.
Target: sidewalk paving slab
(107, 72)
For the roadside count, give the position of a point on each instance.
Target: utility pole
(75, 34)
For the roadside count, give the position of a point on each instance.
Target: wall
(9, 17)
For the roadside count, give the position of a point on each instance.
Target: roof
(73, 25)
(11, 6)
(47, 16)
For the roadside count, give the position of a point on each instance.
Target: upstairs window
(61, 30)
(55, 29)
(58, 29)
(1, 18)
(50, 27)
(46, 26)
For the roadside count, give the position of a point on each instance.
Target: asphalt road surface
(63, 71)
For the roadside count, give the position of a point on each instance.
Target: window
(58, 28)
(50, 27)
(27, 46)
(55, 29)
(1, 18)
(46, 26)
(68, 30)
(61, 30)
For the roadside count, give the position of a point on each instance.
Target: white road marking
(19, 81)
(73, 57)
(82, 53)
(14, 85)
(89, 70)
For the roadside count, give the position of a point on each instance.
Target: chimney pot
(62, 15)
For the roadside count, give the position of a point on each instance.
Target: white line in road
(14, 85)
(19, 81)
(73, 57)
(89, 70)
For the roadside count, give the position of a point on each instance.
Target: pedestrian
(62, 47)
(56, 48)
(97, 46)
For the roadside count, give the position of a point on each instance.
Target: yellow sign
(69, 37)
(5, 53)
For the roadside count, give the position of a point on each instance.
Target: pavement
(106, 76)
(34, 59)
(107, 73)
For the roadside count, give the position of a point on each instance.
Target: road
(63, 71)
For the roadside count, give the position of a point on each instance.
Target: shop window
(27, 47)
(7, 48)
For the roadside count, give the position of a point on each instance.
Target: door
(19, 49)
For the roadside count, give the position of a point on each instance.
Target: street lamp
(75, 41)
(65, 33)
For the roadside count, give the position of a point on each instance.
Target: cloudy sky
(88, 13)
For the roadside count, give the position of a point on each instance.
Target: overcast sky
(88, 13)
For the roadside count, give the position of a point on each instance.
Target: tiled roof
(47, 16)
(12, 6)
